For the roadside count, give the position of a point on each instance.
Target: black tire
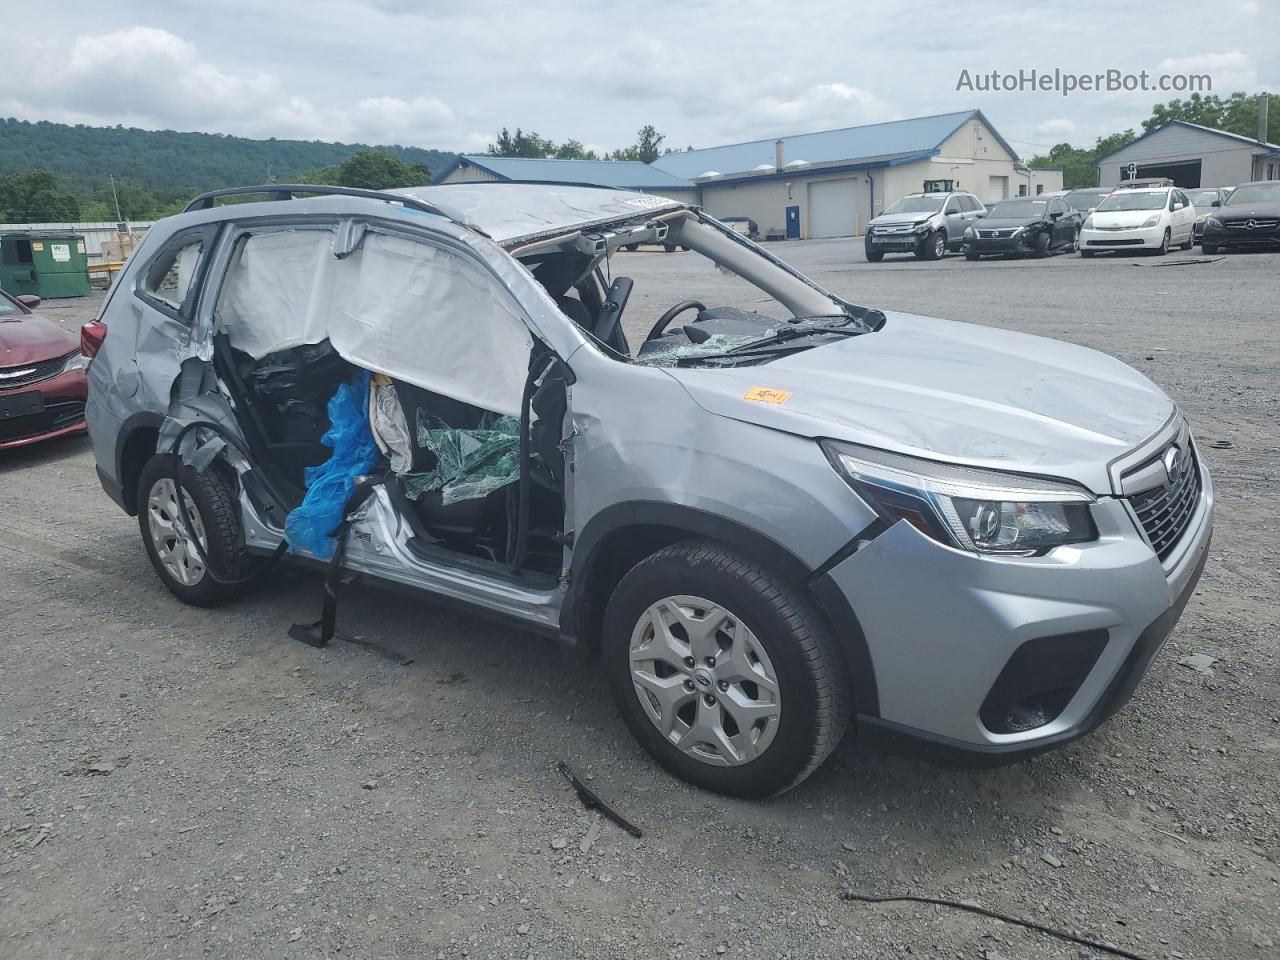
(971, 255)
(813, 688)
(215, 502)
(1191, 242)
(1041, 248)
(631, 247)
(669, 247)
(1161, 250)
(1087, 253)
(1075, 242)
(873, 255)
(933, 246)
(1208, 248)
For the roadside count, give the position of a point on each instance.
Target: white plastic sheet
(411, 310)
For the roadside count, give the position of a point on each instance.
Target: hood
(1124, 218)
(1004, 223)
(1246, 210)
(955, 392)
(30, 338)
(903, 218)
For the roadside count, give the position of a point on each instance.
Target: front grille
(27, 373)
(1259, 223)
(1134, 242)
(1165, 511)
(55, 416)
(995, 234)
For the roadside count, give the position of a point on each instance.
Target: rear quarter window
(169, 280)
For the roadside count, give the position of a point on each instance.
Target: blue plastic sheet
(311, 524)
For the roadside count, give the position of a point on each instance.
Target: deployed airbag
(409, 309)
(311, 524)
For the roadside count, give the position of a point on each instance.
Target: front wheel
(933, 247)
(971, 255)
(212, 515)
(1164, 244)
(1041, 248)
(1087, 253)
(724, 672)
(1208, 248)
(873, 255)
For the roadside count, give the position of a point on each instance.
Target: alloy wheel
(705, 681)
(175, 550)
(939, 246)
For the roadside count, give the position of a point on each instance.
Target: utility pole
(114, 197)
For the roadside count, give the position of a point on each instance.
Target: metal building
(604, 173)
(830, 184)
(1191, 156)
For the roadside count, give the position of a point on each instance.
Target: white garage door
(832, 209)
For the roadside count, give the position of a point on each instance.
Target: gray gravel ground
(184, 783)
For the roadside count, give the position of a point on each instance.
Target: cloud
(1056, 126)
(1229, 71)
(149, 77)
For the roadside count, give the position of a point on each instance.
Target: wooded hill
(173, 163)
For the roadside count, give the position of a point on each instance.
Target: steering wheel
(664, 321)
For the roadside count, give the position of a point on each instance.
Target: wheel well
(139, 447)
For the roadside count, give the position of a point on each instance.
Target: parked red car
(42, 381)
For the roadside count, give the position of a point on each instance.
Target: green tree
(1237, 113)
(371, 170)
(36, 197)
(646, 149)
(1077, 163)
(521, 144)
(573, 150)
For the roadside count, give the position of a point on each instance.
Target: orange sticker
(766, 395)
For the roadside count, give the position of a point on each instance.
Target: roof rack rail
(288, 191)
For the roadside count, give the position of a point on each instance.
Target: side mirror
(1216, 203)
(981, 214)
(1056, 215)
(28, 300)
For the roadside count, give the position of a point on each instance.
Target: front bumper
(1240, 236)
(993, 245)
(948, 632)
(62, 411)
(903, 242)
(1135, 239)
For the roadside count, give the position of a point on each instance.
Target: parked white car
(1139, 219)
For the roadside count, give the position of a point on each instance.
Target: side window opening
(168, 278)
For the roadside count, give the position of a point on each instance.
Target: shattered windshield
(698, 294)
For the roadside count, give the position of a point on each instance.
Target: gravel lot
(184, 783)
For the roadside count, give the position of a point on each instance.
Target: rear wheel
(1190, 242)
(1075, 241)
(723, 672)
(212, 515)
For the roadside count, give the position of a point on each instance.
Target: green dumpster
(50, 265)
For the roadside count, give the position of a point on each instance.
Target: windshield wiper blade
(794, 333)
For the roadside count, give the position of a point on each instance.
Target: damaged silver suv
(768, 520)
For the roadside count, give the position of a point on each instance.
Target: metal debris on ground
(1221, 444)
(1180, 262)
(1201, 663)
(593, 802)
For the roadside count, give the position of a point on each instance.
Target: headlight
(982, 511)
(1212, 222)
(1151, 221)
(922, 226)
(1017, 231)
(1088, 222)
(75, 361)
(968, 232)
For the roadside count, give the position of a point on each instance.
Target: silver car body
(926, 628)
(896, 232)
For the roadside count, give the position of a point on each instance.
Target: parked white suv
(926, 224)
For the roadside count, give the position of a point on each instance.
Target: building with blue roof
(627, 174)
(831, 183)
(810, 185)
(1191, 156)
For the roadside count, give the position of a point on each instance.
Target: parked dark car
(1024, 227)
(42, 381)
(743, 225)
(1204, 200)
(1249, 218)
(1086, 199)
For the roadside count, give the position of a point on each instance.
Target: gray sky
(705, 72)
